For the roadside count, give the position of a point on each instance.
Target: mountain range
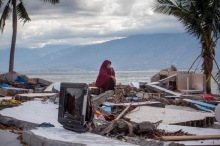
(139, 52)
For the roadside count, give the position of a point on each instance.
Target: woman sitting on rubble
(106, 78)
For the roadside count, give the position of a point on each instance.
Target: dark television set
(75, 108)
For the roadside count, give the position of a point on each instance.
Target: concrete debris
(13, 83)
(3, 92)
(133, 113)
(32, 96)
(172, 117)
(15, 130)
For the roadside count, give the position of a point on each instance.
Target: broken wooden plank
(172, 96)
(114, 122)
(101, 98)
(31, 96)
(196, 137)
(170, 78)
(134, 104)
(160, 89)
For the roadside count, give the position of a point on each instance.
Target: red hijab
(104, 74)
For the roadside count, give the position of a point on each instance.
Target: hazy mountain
(24, 55)
(140, 52)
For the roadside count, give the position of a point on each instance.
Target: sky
(80, 22)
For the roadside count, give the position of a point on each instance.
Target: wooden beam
(114, 122)
(196, 137)
(170, 78)
(160, 89)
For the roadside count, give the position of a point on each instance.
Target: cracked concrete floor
(9, 139)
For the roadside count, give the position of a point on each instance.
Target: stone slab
(169, 116)
(60, 136)
(9, 121)
(35, 112)
(185, 108)
(9, 139)
(193, 130)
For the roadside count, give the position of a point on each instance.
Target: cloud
(87, 21)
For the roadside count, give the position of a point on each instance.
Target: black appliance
(75, 108)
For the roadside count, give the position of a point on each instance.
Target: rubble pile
(131, 113)
(159, 93)
(142, 130)
(13, 84)
(124, 129)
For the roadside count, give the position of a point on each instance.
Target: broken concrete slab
(174, 107)
(193, 130)
(9, 139)
(34, 112)
(11, 91)
(9, 121)
(172, 117)
(60, 136)
(191, 83)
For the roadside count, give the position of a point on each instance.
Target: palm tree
(201, 19)
(218, 80)
(17, 9)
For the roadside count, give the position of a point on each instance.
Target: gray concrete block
(9, 139)
(36, 140)
(6, 120)
(9, 121)
(49, 142)
(26, 136)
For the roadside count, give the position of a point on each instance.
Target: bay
(123, 77)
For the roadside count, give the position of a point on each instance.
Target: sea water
(123, 77)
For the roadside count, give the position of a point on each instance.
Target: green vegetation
(20, 11)
(201, 19)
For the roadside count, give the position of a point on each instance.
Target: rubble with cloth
(173, 108)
